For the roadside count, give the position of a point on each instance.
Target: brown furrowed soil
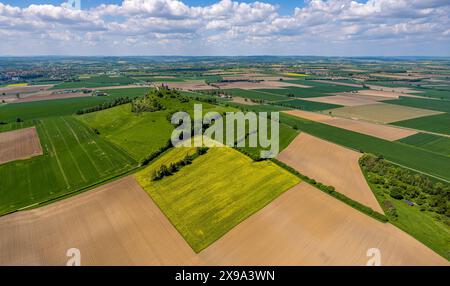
(330, 164)
(305, 226)
(19, 144)
(119, 224)
(116, 224)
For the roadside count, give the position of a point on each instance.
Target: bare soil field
(381, 112)
(116, 224)
(386, 132)
(23, 89)
(394, 89)
(347, 99)
(330, 164)
(241, 100)
(305, 226)
(19, 144)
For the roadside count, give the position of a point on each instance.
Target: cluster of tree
(165, 170)
(260, 101)
(151, 102)
(148, 103)
(290, 95)
(332, 192)
(210, 100)
(3, 122)
(105, 105)
(403, 184)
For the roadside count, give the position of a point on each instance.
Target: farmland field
(317, 89)
(305, 105)
(219, 190)
(434, 143)
(399, 153)
(96, 81)
(19, 144)
(331, 165)
(74, 158)
(433, 104)
(143, 133)
(381, 112)
(435, 123)
(62, 107)
(253, 94)
(305, 226)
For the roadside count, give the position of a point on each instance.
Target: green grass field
(143, 133)
(96, 81)
(434, 143)
(317, 89)
(219, 190)
(399, 153)
(435, 123)
(305, 105)
(62, 107)
(433, 104)
(74, 158)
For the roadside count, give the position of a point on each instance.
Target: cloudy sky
(225, 27)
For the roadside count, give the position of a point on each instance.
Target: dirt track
(118, 224)
(386, 132)
(19, 144)
(330, 164)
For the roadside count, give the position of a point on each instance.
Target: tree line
(105, 105)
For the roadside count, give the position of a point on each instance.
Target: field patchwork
(74, 157)
(386, 132)
(381, 112)
(330, 164)
(218, 191)
(316, 229)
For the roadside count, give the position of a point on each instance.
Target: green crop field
(317, 89)
(399, 153)
(435, 123)
(253, 94)
(434, 143)
(143, 133)
(219, 190)
(74, 158)
(433, 104)
(96, 81)
(62, 107)
(434, 93)
(305, 105)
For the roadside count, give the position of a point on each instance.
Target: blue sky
(286, 6)
(226, 27)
